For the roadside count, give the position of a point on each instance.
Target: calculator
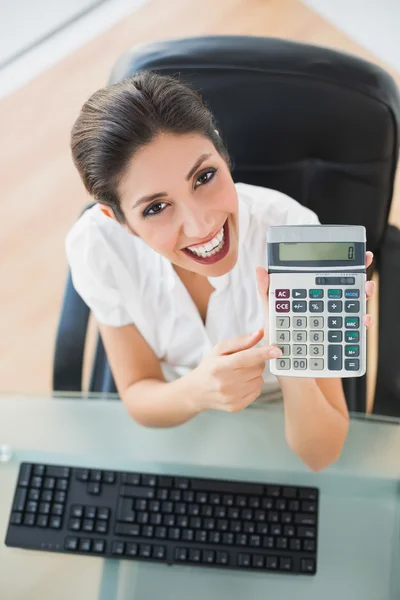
(317, 300)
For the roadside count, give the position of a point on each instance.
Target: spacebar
(229, 487)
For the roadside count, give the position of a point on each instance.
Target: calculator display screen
(317, 251)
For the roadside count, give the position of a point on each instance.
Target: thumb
(236, 344)
(262, 283)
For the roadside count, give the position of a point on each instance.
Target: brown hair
(119, 119)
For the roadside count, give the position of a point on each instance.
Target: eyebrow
(192, 171)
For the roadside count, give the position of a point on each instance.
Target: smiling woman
(167, 260)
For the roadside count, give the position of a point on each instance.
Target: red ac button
(282, 293)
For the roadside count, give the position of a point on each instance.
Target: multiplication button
(335, 322)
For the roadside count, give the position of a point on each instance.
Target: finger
(369, 257)
(251, 357)
(368, 320)
(369, 289)
(262, 283)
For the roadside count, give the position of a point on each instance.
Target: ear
(216, 131)
(107, 211)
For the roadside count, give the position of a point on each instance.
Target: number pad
(301, 336)
(299, 322)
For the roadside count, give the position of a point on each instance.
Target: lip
(210, 260)
(205, 241)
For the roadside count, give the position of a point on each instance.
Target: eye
(153, 209)
(206, 176)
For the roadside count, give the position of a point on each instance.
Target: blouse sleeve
(92, 274)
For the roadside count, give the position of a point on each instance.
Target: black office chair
(317, 124)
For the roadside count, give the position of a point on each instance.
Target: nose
(197, 224)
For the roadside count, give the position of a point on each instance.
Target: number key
(283, 363)
(317, 322)
(300, 350)
(300, 336)
(282, 337)
(285, 349)
(300, 322)
(317, 336)
(300, 364)
(282, 322)
(317, 350)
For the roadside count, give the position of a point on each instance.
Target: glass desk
(359, 526)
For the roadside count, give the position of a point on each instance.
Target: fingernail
(275, 352)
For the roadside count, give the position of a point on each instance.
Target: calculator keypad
(318, 328)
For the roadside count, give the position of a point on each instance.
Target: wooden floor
(41, 194)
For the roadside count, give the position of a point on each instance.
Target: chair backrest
(316, 124)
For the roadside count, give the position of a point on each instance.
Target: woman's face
(178, 196)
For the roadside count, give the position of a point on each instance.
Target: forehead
(166, 157)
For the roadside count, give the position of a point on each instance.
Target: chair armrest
(387, 391)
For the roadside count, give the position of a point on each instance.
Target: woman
(169, 261)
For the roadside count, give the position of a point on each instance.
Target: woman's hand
(230, 377)
(263, 286)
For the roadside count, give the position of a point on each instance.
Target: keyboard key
(159, 552)
(282, 307)
(90, 512)
(222, 558)
(20, 499)
(49, 483)
(95, 475)
(101, 527)
(334, 357)
(34, 495)
(55, 471)
(309, 545)
(307, 565)
(285, 564)
(132, 549)
(258, 561)
(16, 518)
(243, 560)
(71, 543)
(305, 519)
(42, 520)
(181, 554)
(74, 524)
(145, 550)
(76, 511)
(335, 322)
(88, 525)
(108, 477)
(316, 322)
(194, 555)
(62, 485)
(352, 322)
(118, 548)
(132, 491)
(299, 322)
(298, 294)
(85, 544)
(99, 546)
(352, 293)
(352, 365)
(335, 306)
(352, 306)
(39, 470)
(335, 294)
(82, 474)
(25, 475)
(306, 532)
(315, 306)
(271, 563)
(335, 336)
(282, 322)
(307, 494)
(55, 522)
(299, 307)
(103, 513)
(94, 488)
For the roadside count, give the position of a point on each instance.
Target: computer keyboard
(167, 519)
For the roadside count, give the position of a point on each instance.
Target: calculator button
(282, 322)
(283, 336)
(335, 336)
(300, 336)
(352, 336)
(352, 306)
(317, 336)
(335, 294)
(316, 306)
(299, 322)
(352, 351)
(335, 306)
(283, 364)
(300, 350)
(299, 294)
(316, 364)
(317, 350)
(282, 293)
(317, 322)
(352, 365)
(285, 349)
(315, 294)
(334, 357)
(335, 322)
(351, 293)
(299, 306)
(282, 306)
(352, 322)
(300, 364)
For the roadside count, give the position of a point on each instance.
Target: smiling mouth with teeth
(212, 251)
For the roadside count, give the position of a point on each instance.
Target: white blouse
(123, 280)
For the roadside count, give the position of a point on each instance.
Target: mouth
(213, 251)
